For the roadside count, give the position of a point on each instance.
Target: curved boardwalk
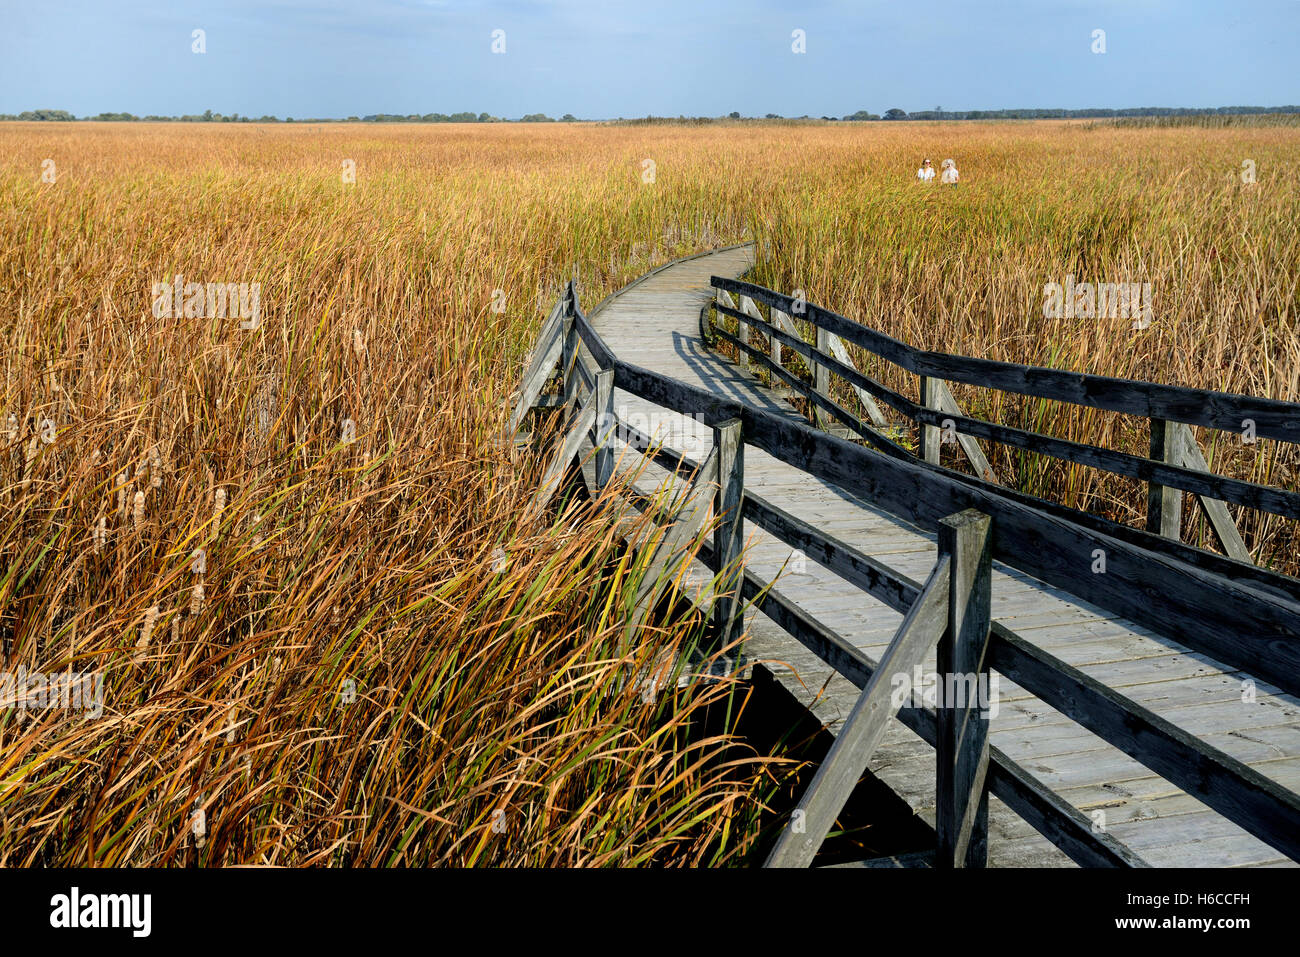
(654, 323)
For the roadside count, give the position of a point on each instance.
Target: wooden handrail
(1175, 465)
(1168, 472)
(1225, 411)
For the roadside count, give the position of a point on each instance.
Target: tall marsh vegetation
(331, 630)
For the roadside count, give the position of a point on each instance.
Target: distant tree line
(896, 114)
(1045, 114)
(892, 114)
(207, 116)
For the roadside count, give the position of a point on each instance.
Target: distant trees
(61, 115)
(894, 113)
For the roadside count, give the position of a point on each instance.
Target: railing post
(777, 315)
(728, 535)
(964, 705)
(605, 422)
(569, 356)
(821, 374)
(930, 399)
(746, 305)
(1164, 504)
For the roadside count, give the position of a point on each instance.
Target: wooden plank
(962, 729)
(606, 422)
(867, 573)
(1174, 475)
(835, 346)
(742, 329)
(571, 367)
(550, 483)
(1164, 504)
(974, 454)
(929, 434)
(1216, 513)
(1054, 817)
(781, 320)
(546, 355)
(821, 378)
(688, 522)
(728, 536)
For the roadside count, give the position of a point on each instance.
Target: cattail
(137, 512)
(358, 343)
(231, 715)
(257, 530)
(29, 458)
(121, 493)
(99, 534)
(155, 467)
(196, 598)
(218, 506)
(176, 628)
(199, 824)
(146, 632)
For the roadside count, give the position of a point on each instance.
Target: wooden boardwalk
(655, 324)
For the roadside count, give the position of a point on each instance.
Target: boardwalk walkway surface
(654, 323)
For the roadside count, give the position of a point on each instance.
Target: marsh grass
(300, 555)
(379, 646)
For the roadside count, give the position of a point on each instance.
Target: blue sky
(607, 58)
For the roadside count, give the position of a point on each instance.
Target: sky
(602, 59)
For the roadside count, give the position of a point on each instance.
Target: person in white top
(926, 173)
(950, 174)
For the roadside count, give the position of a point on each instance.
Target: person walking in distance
(950, 174)
(926, 173)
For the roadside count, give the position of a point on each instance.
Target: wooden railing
(1249, 620)
(1175, 465)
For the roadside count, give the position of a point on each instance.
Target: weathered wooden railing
(1175, 465)
(1249, 620)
